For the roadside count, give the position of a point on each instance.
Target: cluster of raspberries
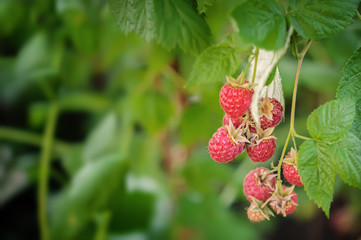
(239, 133)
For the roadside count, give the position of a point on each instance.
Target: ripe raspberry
(290, 171)
(236, 121)
(222, 148)
(262, 150)
(235, 100)
(259, 184)
(271, 112)
(284, 202)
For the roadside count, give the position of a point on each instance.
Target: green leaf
(214, 64)
(89, 191)
(318, 19)
(171, 22)
(350, 86)
(346, 154)
(332, 120)
(153, 111)
(350, 83)
(102, 139)
(202, 5)
(317, 173)
(262, 23)
(356, 126)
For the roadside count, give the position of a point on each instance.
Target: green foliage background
(129, 157)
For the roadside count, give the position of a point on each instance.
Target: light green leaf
(318, 19)
(346, 154)
(171, 22)
(350, 83)
(89, 191)
(262, 23)
(214, 64)
(333, 119)
(317, 173)
(153, 111)
(102, 139)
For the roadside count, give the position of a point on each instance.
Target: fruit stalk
(292, 131)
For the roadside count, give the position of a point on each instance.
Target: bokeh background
(129, 158)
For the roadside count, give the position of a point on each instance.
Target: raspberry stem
(301, 137)
(45, 157)
(17, 135)
(292, 132)
(255, 64)
(358, 15)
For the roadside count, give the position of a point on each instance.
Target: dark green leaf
(171, 22)
(262, 23)
(214, 64)
(331, 120)
(271, 76)
(346, 154)
(318, 19)
(356, 125)
(317, 173)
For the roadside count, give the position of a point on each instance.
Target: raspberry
(222, 148)
(236, 121)
(255, 215)
(257, 212)
(284, 202)
(290, 171)
(271, 112)
(262, 150)
(235, 100)
(259, 183)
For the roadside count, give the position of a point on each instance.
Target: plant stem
(255, 65)
(292, 131)
(45, 157)
(21, 136)
(301, 137)
(358, 15)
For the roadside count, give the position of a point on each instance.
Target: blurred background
(127, 142)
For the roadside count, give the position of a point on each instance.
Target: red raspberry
(255, 186)
(222, 148)
(263, 150)
(290, 171)
(271, 112)
(236, 121)
(235, 100)
(284, 203)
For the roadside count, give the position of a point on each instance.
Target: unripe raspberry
(284, 202)
(255, 215)
(259, 183)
